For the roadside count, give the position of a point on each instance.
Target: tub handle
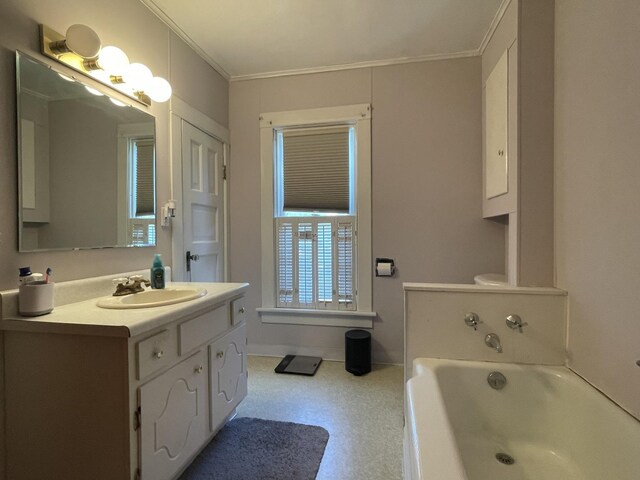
(472, 320)
(514, 321)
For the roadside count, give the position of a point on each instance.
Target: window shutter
(316, 169)
(145, 204)
(305, 264)
(315, 262)
(142, 232)
(285, 264)
(345, 264)
(325, 263)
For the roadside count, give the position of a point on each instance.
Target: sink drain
(505, 459)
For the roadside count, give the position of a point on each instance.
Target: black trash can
(357, 356)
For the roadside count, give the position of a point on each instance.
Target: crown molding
(155, 9)
(494, 25)
(351, 66)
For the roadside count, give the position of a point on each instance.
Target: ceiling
(259, 38)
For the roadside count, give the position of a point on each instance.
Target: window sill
(330, 318)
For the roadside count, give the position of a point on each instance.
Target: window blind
(316, 169)
(144, 174)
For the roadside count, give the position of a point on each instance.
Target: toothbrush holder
(35, 299)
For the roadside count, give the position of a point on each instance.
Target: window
(142, 209)
(316, 216)
(314, 208)
(136, 219)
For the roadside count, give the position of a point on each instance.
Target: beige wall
(145, 38)
(597, 218)
(426, 187)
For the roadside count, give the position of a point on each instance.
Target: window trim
(360, 117)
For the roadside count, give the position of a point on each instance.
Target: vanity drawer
(238, 310)
(155, 352)
(200, 330)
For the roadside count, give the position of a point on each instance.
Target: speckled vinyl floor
(363, 415)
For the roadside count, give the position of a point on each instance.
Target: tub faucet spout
(493, 341)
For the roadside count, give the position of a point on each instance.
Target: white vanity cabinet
(121, 395)
(228, 374)
(173, 418)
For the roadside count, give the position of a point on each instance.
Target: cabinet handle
(242, 310)
(158, 354)
(198, 369)
(220, 354)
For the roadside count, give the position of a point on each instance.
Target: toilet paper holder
(385, 267)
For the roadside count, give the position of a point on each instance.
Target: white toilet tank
(491, 279)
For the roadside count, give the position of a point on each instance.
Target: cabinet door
(496, 99)
(228, 371)
(173, 411)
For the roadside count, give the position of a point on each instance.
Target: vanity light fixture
(81, 50)
(80, 40)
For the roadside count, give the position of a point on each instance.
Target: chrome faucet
(492, 340)
(127, 286)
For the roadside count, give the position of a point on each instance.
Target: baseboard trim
(327, 353)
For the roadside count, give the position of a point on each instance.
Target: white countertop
(86, 318)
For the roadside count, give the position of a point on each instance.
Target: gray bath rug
(256, 449)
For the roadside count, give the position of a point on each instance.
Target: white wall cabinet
(496, 151)
(110, 407)
(525, 35)
(500, 152)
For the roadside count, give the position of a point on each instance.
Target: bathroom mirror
(86, 164)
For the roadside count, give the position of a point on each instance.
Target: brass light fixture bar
(81, 51)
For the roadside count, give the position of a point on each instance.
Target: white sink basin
(153, 298)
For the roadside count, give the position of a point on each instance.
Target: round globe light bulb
(83, 41)
(93, 91)
(64, 77)
(101, 75)
(137, 76)
(159, 90)
(118, 102)
(112, 60)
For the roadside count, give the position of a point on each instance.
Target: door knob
(191, 258)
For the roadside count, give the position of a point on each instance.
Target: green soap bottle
(157, 272)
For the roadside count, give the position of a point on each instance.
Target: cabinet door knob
(158, 354)
(220, 354)
(198, 369)
(242, 310)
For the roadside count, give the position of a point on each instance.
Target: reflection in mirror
(86, 165)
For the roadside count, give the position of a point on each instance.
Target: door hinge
(137, 422)
(224, 172)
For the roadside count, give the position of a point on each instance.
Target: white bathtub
(553, 424)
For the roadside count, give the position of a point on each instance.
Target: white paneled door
(203, 204)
